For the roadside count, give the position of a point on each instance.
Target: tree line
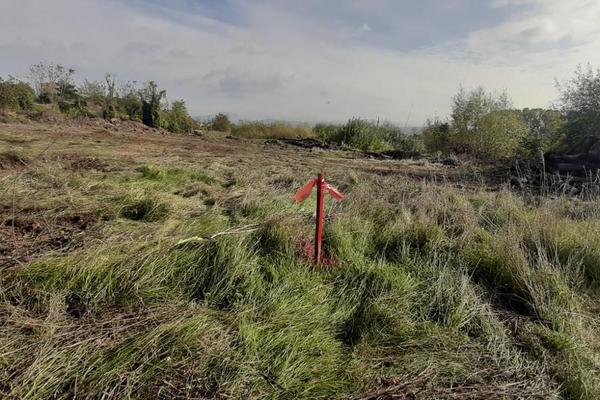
(482, 124)
(53, 84)
(486, 125)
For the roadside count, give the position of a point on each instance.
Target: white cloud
(542, 25)
(280, 66)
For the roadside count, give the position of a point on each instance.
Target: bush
(532, 146)
(221, 123)
(580, 103)
(177, 119)
(365, 135)
(44, 98)
(328, 132)
(151, 104)
(130, 106)
(409, 144)
(436, 136)
(545, 129)
(362, 134)
(484, 126)
(16, 95)
(108, 111)
(470, 108)
(498, 136)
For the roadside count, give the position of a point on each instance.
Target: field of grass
(141, 265)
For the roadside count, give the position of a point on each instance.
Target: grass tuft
(143, 208)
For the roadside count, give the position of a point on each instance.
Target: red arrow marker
(303, 194)
(305, 191)
(334, 193)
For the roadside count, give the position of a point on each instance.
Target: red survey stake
(322, 187)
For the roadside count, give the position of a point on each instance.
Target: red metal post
(322, 187)
(319, 232)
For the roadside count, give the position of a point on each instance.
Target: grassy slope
(436, 292)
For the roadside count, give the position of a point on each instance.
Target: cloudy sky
(313, 60)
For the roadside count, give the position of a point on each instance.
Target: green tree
(67, 96)
(16, 95)
(436, 136)
(580, 104)
(221, 123)
(92, 90)
(151, 99)
(545, 130)
(130, 106)
(52, 82)
(177, 119)
(469, 108)
(542, 122)
(109, 109)
(501, 133)
(128, 100)
(483, 125)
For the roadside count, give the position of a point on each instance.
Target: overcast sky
(312, 60)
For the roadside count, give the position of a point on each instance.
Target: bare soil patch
(24, 236)
(10, 160)
(89, 163)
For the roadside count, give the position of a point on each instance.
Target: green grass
(175, 175)
(431, 291)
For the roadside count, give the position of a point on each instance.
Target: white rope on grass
(235, 230)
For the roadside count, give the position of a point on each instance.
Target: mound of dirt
(114, 124)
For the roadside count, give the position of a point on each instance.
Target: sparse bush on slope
(16, 95)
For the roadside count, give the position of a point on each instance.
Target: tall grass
(430, 291)
(368, 135)
(270, 130)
